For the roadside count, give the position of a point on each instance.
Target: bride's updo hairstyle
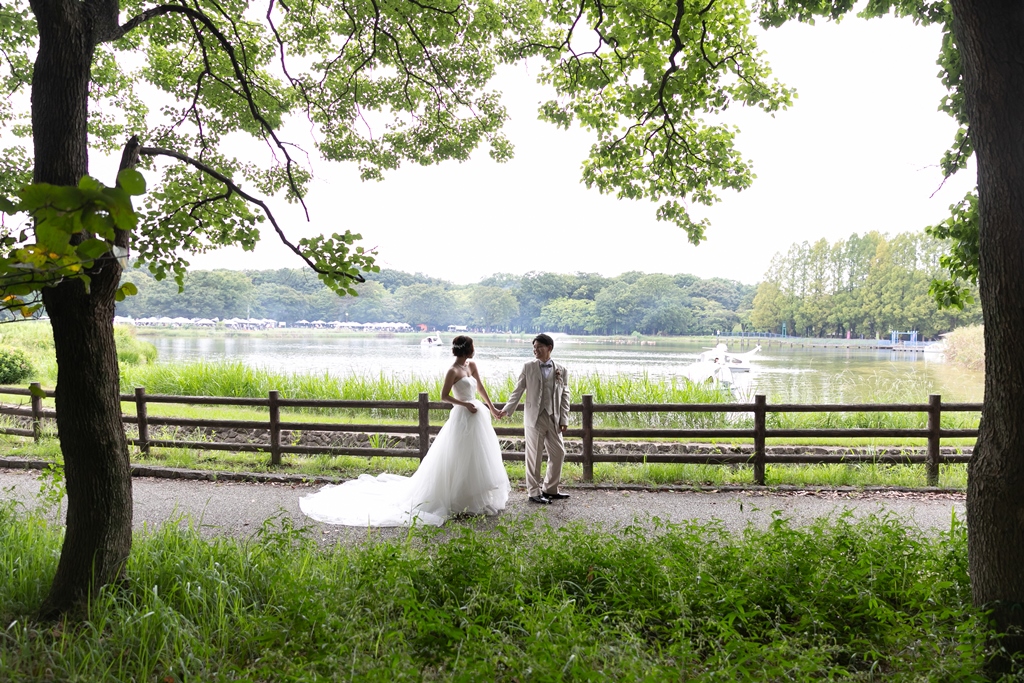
(462, 346)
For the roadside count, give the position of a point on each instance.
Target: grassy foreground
(839, 600)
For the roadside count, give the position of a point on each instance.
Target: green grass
(830, 475)
(235, 379)
(651, 601)
(857, 475)
(35, 338)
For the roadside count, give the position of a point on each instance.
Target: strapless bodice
(465, 389)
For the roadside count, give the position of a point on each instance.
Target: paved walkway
(238, 509)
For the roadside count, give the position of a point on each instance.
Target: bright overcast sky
(857, 152)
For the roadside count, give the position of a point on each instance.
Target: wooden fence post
(424, 420)
(275, 429)
(37, 411)
(588, 438)
(760, 429)
(143, 416)
(934, 438)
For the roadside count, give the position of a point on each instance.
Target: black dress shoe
(556, 496)
(540, 500)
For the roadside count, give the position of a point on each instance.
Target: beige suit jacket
(530, 380)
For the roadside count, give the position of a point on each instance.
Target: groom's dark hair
(544, 340)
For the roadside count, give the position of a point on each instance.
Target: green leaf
(65, 198)
(89, 183)
(133, 182)
(126, 290)
(92, 248)
(36, 390)
(124, 218)
(52, 237)
(99, 225)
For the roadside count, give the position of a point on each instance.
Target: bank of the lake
(786, 370)
(797, 374)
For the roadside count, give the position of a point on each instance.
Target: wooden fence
(933, 433)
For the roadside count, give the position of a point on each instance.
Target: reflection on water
(798, 375)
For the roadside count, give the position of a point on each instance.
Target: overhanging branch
(232, 188)
(243, 81)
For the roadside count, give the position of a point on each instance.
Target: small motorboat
(432, 340)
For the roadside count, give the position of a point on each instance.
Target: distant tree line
(865, 286)
(583, 303)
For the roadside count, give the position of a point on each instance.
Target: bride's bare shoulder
(457, 372)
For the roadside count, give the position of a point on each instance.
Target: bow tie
(545, 365)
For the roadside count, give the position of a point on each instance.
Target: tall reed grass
(233, 378)
(841, 599)
(202, 378)
(35, 338)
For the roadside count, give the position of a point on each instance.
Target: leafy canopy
(380, 83)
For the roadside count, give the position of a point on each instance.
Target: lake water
(799, 375)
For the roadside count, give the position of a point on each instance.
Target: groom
(547, 417)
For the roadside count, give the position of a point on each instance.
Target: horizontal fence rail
(758, 434)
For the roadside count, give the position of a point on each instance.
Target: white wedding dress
(462, 472)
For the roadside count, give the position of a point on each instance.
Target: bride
(461, 473)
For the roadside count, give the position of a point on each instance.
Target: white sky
(858, 151)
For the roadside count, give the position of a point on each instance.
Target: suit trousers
(545, 433)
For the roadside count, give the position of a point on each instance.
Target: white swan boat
(708, 370)
(736, 362)
(718, 365)
(432, 340)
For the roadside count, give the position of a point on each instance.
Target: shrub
(965, 347)
(14, 366)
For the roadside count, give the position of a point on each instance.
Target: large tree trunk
(99, 515)
(96, 468)
(990, 35)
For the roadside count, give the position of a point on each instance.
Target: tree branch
(232, 188)
(954, 166)
(243, 81)
(103, 16)
(129, 159)
(143, 17)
